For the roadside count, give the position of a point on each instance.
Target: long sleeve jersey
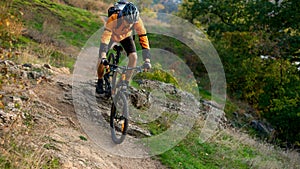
(118, 29)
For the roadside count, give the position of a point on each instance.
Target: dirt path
(65, 134)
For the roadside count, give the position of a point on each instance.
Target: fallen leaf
(1, 105)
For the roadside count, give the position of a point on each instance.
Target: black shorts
(127, 43)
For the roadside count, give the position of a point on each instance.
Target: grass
(52, 163)
(4, 163)
(157, 75)
(56, 34)
(161, 124)
(20, 155)
(59, 22)
(227, 150)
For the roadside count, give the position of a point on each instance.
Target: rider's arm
(141, 31)
(144, 42)
(106, 36)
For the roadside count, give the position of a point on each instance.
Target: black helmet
(130, 13)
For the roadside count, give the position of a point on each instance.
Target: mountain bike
(116, 87)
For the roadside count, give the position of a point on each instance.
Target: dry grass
(233, 143)
(36, 57)
(20, 145)
(20, 149)
(267, 156)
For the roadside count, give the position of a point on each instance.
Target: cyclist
(118, 29)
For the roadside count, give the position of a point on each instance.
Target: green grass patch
(157, 75)
(230, 108)
(135, 84)
(51, 28)
(59, 59)
(41, 53)
(161, 124)
(190, 153)
(4, 163)
(204, 94)
(28, 121)
(52, 163)
(59, 22)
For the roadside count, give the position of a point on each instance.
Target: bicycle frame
(122, 84)
(119, 94)
(114, 70)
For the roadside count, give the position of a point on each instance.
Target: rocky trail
(67, 135)
(39, 113)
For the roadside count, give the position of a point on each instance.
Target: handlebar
(123, 69)
(114, 67)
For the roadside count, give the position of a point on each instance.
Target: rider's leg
(100, 73)
(129, 46)
(132, 63)
(100, 69)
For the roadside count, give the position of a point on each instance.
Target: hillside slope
(40, 129)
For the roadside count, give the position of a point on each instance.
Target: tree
(145, 4)
(242, 32)
(158, 7)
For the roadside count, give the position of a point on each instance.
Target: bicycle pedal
(99, 95)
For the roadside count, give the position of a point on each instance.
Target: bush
(158, 75)
(10, 25)
(272, 87)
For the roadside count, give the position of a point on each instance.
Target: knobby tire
(119, 114)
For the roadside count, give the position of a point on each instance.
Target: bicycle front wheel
(119, 118)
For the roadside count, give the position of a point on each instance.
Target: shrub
(272, 87)
(158, 75)
(10, 25)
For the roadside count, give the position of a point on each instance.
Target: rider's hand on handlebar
(147, 65)
(104, 62)
(146, 56)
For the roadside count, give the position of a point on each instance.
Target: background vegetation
(263, 38)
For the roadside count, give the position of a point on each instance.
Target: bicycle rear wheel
(119, 118)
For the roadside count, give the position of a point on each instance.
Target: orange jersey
(119, 31)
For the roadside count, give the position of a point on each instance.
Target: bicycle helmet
(130, 13)
(120, 5)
